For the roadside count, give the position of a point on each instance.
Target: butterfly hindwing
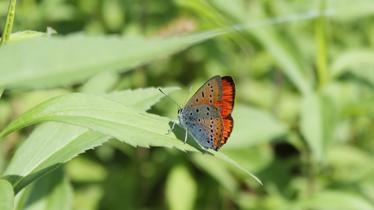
(205, 124)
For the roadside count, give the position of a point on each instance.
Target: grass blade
(9, 22)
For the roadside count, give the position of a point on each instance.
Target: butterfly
(207, 115)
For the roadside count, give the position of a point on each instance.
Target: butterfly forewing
(209, 94)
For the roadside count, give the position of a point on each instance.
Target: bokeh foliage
(304, 72)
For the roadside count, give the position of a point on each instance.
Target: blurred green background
(304, 92)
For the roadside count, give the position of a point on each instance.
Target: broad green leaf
(52, 192)
(57, 143)
(181, 198)
(335, 200)
(359, 62)
(6, 195)
(103, 115)
(255, 127)
(57, 61)
(50, 150)
(317, 123)
(110, 118)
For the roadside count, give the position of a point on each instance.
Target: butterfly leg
(185, 137)
(172, 128)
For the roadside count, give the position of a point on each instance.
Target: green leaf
(250, 122)
(6, 195)
(106, 116)
(359, 62)
(110, 118)
(177, 198)
(347, 10)
(344, 159)
(51, 150)
(57, 61)
(317, 123)
(52, 192)
(335, 200)
(57, 143)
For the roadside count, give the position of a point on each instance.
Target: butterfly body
(207, 115)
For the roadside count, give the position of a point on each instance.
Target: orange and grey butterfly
(207, 115)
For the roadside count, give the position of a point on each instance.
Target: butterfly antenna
(188, 95)
(169, 97)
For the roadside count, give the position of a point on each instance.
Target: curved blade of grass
(110, 118)
(56, 143)
(6, 195)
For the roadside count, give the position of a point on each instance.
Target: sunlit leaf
(57, 61)
(52, 192)
(317, 123)
(56, 143)
(359, 62)
(177, 198)
(6, 195)
(109, 118)
(335, 200)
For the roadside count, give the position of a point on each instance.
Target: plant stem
(9, 22)
(1, 92)
(320, 37)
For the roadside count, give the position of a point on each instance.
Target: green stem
(1, 92)
(320, 37)
(9, 22)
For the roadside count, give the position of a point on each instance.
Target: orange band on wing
(228, 96)
(228, 124)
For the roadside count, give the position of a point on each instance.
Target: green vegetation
(83, 125)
